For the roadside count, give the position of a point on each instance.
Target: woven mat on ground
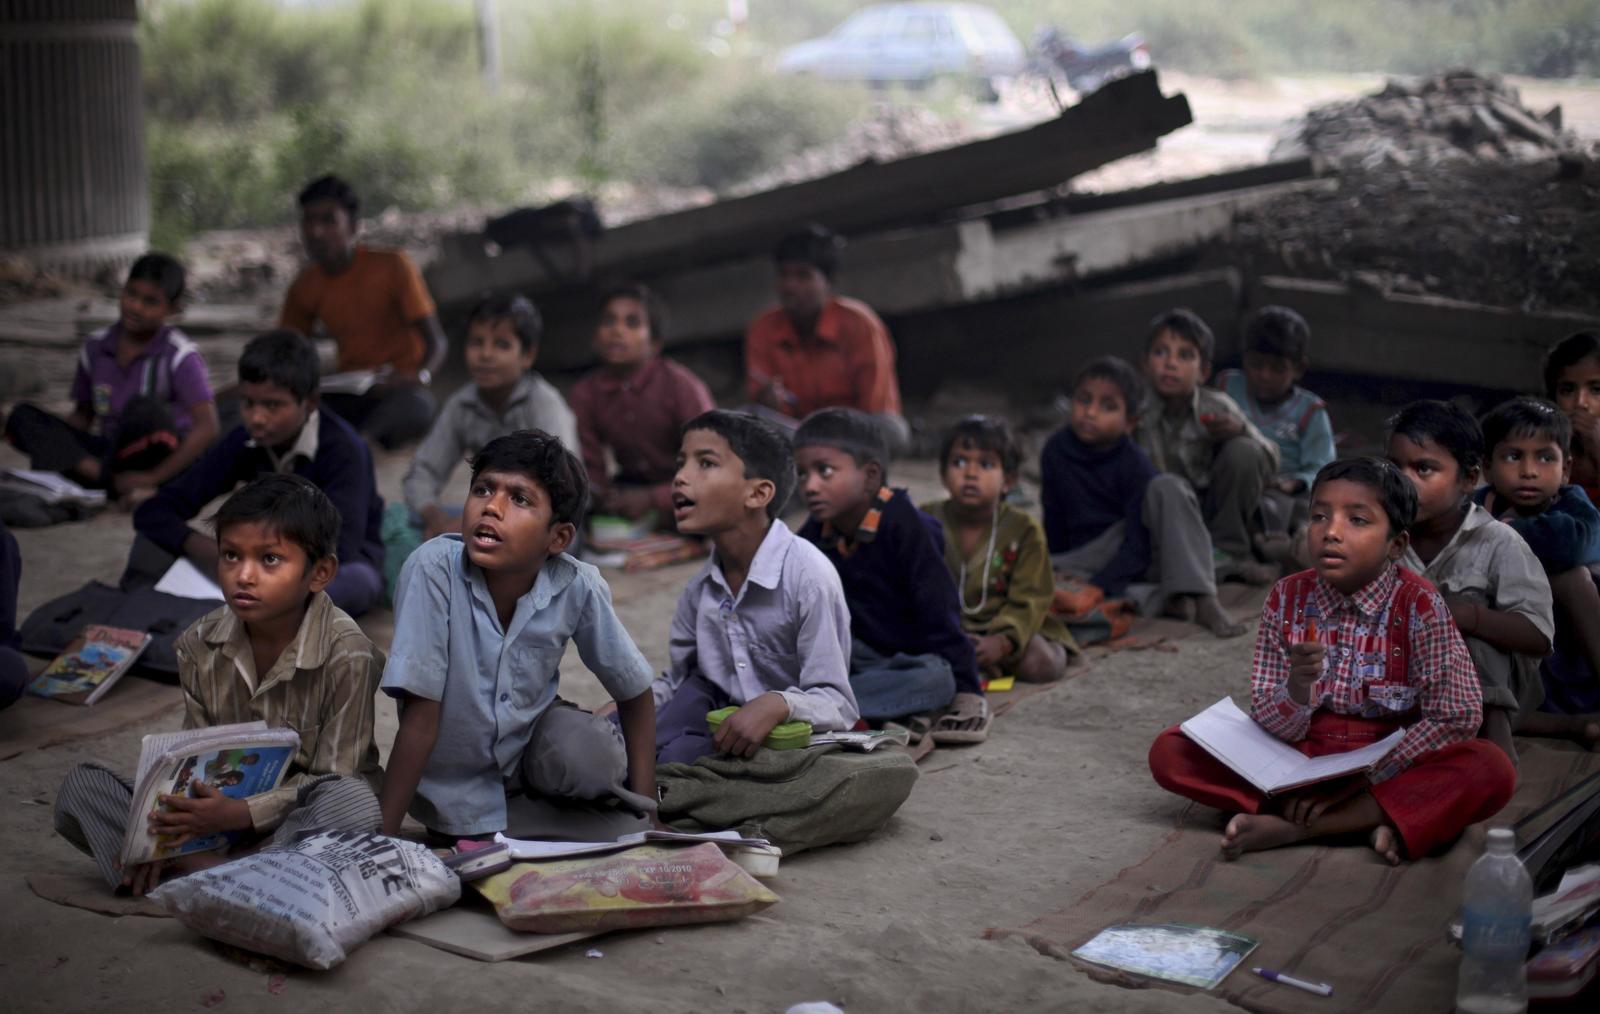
(34, 723)
(1331, 914)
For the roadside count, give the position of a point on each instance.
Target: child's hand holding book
(206, 812)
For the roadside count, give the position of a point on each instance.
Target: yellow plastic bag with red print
(645, 886)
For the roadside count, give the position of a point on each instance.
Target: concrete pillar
(73, 190)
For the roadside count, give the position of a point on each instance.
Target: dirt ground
(1055, 803)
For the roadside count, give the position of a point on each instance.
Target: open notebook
(1267, 762)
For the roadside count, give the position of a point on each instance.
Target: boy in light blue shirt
(481, 622)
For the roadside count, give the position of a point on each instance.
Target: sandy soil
(1054, 804)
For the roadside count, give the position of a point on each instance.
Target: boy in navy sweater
(1111, 518)
(1529, 445)
(282, 430)
(909, 654)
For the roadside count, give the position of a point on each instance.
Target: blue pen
(1319, 988)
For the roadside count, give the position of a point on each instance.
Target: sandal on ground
(967, 721)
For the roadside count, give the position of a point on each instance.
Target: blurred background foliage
(248, 99)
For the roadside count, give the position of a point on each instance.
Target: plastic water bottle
(1498, 913)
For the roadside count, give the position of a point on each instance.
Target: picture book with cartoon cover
(91, 665)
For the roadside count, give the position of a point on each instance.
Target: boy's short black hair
(165, 270)
(1568, 352)
(985, 433)
(815, 245)
(850, 430)
(1279, 331)
(763, 447)
(283, 357)
(332, 188)
(288, 504)
(1395, 492)
(1526, 417)
(655, 309)
(542, 458)
(519, 310)
(1448, 425)
(1120, 373)
(1186, 324)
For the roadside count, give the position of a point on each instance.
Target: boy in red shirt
(1345, 653)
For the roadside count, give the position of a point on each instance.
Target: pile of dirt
(1458, 116)
(1514, 234)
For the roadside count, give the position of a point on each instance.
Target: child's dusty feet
(1180, 607)
(1208, 612)
(1255, 832)
(1386, 843)
(1254, 572)
(1274, 546)
(195, 862)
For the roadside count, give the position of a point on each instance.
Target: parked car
(912, 43)
(1086, 68)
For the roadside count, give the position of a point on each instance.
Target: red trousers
(1429, 803)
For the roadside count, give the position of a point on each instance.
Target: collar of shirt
(554, 576)
(524, 390)
(1368, 601)
(305, 445)
(309, 650)
(106, 344)
(765, 570)
(867, 530)
(1476, 518)
(827, 327)
(611, 384)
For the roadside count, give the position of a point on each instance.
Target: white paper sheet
(530, 849)
(185, 579)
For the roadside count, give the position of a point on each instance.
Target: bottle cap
(1502, 836)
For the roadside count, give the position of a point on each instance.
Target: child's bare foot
(1208, 612)
(1180, 607)
(1256, 573)
(1386, 843)
(1274, 546)
(182, 866)
(1255, 832)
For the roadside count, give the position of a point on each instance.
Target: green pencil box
(786, 736)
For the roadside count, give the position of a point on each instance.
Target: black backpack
(50, 628)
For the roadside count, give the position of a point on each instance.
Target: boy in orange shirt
(374, 305)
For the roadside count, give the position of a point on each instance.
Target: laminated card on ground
(1267, 762)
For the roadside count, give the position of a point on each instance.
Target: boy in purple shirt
(634, 405)
(143, 408)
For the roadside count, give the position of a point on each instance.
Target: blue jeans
(895, 686)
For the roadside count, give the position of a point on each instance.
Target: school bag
(796, 799)
(50, 628)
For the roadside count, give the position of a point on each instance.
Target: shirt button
(505, 697)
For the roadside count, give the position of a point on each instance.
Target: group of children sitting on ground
(1424, 602)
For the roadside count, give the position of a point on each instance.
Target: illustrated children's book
(1267, 762)
(239, 760)
(92, 663)
(1193, 955)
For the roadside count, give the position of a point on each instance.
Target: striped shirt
(1393, 652)
(323, 686)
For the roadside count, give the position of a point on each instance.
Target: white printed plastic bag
(315, 901)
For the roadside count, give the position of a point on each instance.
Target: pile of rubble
(1515, 234)
(1458, 116)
